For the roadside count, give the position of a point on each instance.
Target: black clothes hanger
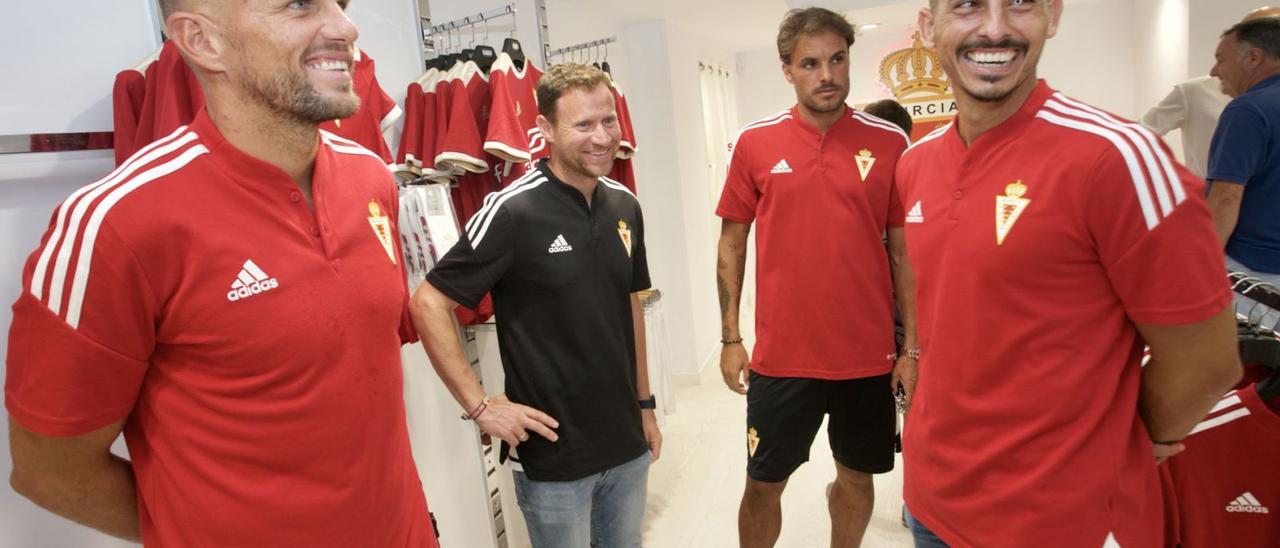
(1269, 387)
(1258, 347)
(512, 48)
(484, 57)
(468, 54)
(605, 67)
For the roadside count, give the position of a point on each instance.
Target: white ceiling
(734, 25)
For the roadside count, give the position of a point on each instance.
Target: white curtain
(720, 124)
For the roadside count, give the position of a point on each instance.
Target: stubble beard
(292, 96)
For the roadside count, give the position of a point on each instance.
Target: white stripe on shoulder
(1158, 177)
(141, 158)
(76, 301)
(345, 146)
(497, 206)
(931, 136)
(335, 138)
(1166, 163)
(62, 264)
(768, 120)
(759, 125)
(1220, 420)
(486, 208)
(1232, 399)
(877, 122)
(1149, 213)
(618, 186)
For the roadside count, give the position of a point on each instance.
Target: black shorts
(784, 414)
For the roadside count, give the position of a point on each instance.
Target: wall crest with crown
(917, 81)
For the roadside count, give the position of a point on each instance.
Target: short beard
(813, 106)
(1007, 43)
(992, 96)
(291, 96)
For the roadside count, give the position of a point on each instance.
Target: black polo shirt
(561, 274)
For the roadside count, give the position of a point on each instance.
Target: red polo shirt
(821, 203)
(1224, 489)
(251, 345)
(1035, 250)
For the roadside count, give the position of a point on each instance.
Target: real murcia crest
(625, 234)
(382, 229)
(753, 441)
(1008, 208)
(865, 162)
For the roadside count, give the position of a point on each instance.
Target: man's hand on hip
(734, 366)
(512, 422)
(649, 420)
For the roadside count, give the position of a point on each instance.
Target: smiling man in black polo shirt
(562, 251)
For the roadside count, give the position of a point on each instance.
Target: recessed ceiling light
(868, 26)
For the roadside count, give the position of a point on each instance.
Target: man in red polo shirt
(233, 299)
(817, 180)
(1049, 241)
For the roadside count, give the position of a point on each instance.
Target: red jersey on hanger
(127, 97)
(513, 116)
(377, 113)
(1224, 490)
(173, 98)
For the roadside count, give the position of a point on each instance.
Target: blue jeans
(923, 536)
(601, 510)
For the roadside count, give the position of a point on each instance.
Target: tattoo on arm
(724, 292)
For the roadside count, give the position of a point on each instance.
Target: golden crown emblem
(1015, 189)
(914, 70)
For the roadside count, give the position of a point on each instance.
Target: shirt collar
(1265, 83)
(802, 123)
(239, 164)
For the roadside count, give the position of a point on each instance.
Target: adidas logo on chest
(781, 167)
(560, 245)
(916, 215)
(251, 281)
(1247, 504)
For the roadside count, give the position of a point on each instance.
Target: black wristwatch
(651, 403)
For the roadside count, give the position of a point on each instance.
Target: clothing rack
(579, 47)
(1264, 293)
(509, 9)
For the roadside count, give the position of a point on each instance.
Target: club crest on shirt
(1009, 208)
(625, 234)
(382, 229)
(519, 110)
(865, 162)
(753, 442)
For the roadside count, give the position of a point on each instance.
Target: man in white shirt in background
(1193, 107)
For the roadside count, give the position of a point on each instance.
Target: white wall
(1208, 19)
(58, 54)
(1160, 55)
